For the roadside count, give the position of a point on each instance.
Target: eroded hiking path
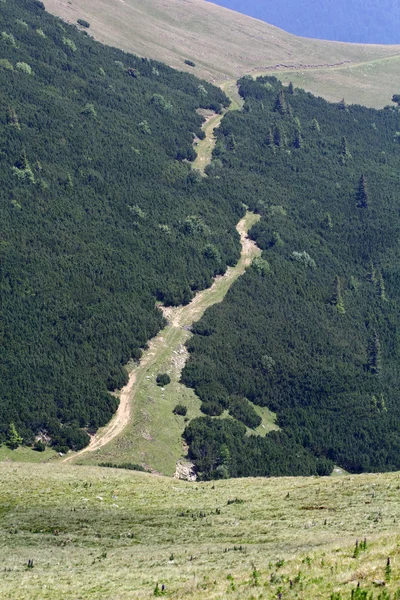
(204, 148)
(169, 342)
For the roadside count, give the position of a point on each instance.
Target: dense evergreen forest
(312, 329)
(101, 215)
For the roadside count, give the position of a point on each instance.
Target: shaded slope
(97, 206)
(312, 334)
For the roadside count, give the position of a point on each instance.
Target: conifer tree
(290, 88)
(381, 286)
(362, 193)
(270, 138)
(345, 148)
(298, 139)
(381, 404)
(13, 438)
(315, 126)
(374, 355)
(12, 118)
(337, 299)
(371, 273)
(277, 136)
(281, 104)
(327, 222)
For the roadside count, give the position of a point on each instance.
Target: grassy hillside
(104, 533)
(225, 45)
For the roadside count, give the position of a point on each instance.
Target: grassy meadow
(225, 45)
(106, 533)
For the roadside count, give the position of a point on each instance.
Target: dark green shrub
(137, 353)
(127, 466)
(212, 409)
(39, 446)
(190, 63)
(180, 409)
(83, 23)
(242, 410)
(163, 379)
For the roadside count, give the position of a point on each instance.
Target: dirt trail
(182, 316)
(178, 317)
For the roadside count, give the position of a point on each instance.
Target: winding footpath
(182, 317)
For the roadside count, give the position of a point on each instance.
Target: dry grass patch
(106, 533)
(225, 45)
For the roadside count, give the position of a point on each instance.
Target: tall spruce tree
(374, 355)
(362, 193)
(281, 105)
(337, 299)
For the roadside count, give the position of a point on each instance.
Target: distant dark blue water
(366, 21)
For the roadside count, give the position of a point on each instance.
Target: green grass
(204, 148)
(153, 438)
(25, 454)
(107, 533)
(225, 45)
(370, 83)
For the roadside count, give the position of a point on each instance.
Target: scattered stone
(185, 470)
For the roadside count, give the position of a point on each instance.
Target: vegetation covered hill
(104, 533)
(316, 319)
(100, 216)
(226, 45)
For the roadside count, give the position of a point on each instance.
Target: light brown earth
(225, 45)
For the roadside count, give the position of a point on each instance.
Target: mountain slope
(225, 45)
(100, 216)
(106, 533)
(311, 330)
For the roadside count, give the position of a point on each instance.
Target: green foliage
(39, 446)
(89, 110)
(13, 438)
(80, 271)
(270, 456)
(212, 252)
(388, 571)
(160, 102)
(362, 193)
(304, 258)
(243, 411)
(337, 297)
(24, 68)
(69, 44)
(180, 409)
(126, 466)
(334, 382)
(83, 23)
(6, 64)
(163, 379)
(261, 266)
(190, 63)
(8, 38)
